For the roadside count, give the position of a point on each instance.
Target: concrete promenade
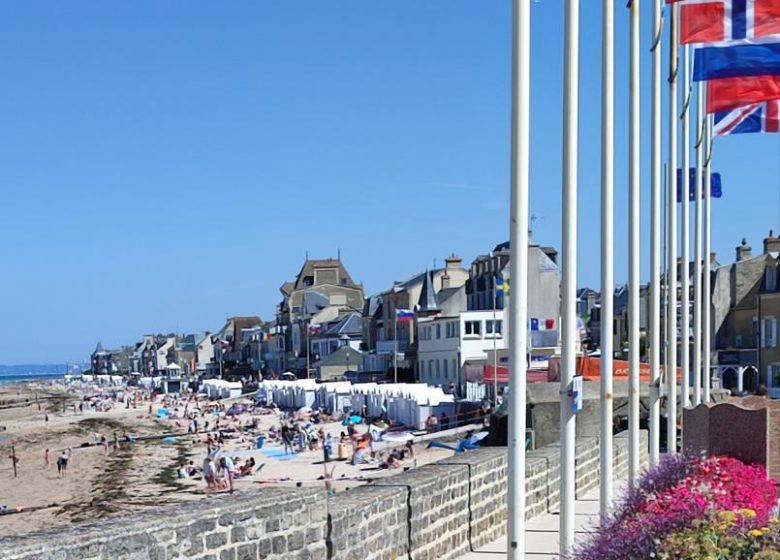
(541, 534)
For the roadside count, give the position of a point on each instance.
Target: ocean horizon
(31, 372)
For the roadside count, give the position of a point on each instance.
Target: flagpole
(607, 251)
(671, 201)
(518, 272)
(633, 249)
(697, 274)
(395, 348)
(569, 283)
(495, 369)
(707, 327)
(686, 230)
(655, 240)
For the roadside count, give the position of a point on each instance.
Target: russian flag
(404, 315)
(737, 61)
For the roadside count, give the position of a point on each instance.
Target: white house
(204, 352)
(161, 354)
(446, 343)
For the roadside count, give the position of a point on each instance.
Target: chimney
(445, 280)
(452, 262)
(771, 243)
(743, 251)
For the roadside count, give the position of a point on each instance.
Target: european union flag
(716, 187)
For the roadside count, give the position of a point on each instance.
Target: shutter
(774, 333)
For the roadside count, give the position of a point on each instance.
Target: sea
(32, 372)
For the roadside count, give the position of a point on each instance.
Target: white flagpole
(686, 231)
(633, 248)
(655, 241)
(707, 327)
(518, 270)
(697, 278)
(671, 201)
(569, 283)
(495, 359)
(607, 251)
(395, 348)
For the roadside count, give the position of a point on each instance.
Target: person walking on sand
(62, 464)
(46, 458)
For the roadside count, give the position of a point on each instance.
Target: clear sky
(164, 164)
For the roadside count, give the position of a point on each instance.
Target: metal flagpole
(518, 271)
(671, 201)
(495, 361)
(633, 249)
(697, 269)
(607, 250)
(707, 327)
(686, 231)
(655, 240)
(569, 283)
(395, 348)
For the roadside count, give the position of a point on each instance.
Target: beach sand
(138, 476)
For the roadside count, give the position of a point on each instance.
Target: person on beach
(62, 463)
(209, 473)
(46, 458)
(104, 443)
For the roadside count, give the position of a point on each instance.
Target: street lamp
(345, 343)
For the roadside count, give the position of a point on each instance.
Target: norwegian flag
(756, 117)
(715, 21)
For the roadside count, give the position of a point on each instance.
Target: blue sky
(165, 164)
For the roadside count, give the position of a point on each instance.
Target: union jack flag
(714, 21)
(756, 117)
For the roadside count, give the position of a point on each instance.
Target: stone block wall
(273, 523)
(439, 511)
(368, 523)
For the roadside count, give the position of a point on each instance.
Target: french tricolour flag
(714, 21)
(756, 117)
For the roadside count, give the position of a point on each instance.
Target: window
(488, 327)
(771, 278)
(438, 372)
(499, 327)
(446, 375)
(438, 331)
(454, 367)
(422, 368)
(430, 368)
(473, 328)
(769, 333)
(774, 376)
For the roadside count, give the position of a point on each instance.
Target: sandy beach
(143, 474)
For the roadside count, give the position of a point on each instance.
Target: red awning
(533, 375)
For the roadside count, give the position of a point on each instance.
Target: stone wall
(272, 523)
(438, 511)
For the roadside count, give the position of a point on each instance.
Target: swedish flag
(502, 286)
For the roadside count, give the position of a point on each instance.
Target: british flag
(715, 21)
(756, 117)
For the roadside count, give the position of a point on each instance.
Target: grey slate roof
(339, 357)
(428, 300)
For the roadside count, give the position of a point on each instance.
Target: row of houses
(442, 326)
(745, 309)
(447, 326)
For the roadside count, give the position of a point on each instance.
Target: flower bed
(714, 508)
